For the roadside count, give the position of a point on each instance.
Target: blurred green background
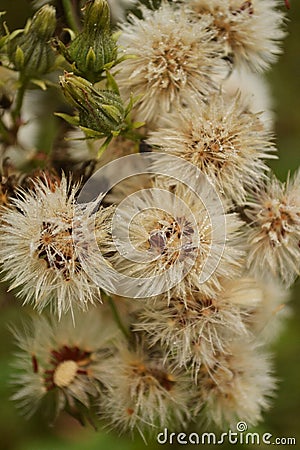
(283, 419)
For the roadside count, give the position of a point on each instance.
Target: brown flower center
(56, 248)
(172, 239)
(151, 376)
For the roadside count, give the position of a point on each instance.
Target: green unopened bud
(44, 23)
(97, 15)
(94, 49)
(29, 50)
(100, 111)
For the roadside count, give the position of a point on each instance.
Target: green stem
(117, 317)
(4, 132)
(70, 16)
(19, 100)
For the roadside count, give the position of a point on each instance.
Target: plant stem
(19, 101)
(117, 317)
(69, 13)
(4, 132)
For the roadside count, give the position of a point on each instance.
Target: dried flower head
(223, 140)
(174, 58)
(250, 31)
(274, 233)
(237, 387)
(144, 392)
(177, 241)
(195, 330)
(62, 363)
(42, 254)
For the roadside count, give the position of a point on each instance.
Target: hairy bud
(29, 50)
(94, 49)
(101, 111)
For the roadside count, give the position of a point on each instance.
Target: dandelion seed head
(274, 233)
(250, 31)
(63, 361)
(194, 329)
(145, 392)
(178, 240)
(238, 387)
(174, 58)
(223, 140)
(40, 252)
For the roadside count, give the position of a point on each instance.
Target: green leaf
(136, 125)
(115, 36)
(111, 83)
(112, 112)
(109, 65)
(124, 58)
(40, 83)
(104, 146)
(13, 34)
(92, 134)
(90, 59)
(72, 120)
(19, 57)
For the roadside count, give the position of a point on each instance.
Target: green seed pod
(94, 48)
(99, 110)
(29, 50)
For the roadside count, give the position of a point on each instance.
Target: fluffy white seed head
(173, 58)
(274, 233)
(238, 387)
(61, 362)
(145, 393)
(41, 253)
(182, 240)
(225, 141)
(193, 331)
(250, 31)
